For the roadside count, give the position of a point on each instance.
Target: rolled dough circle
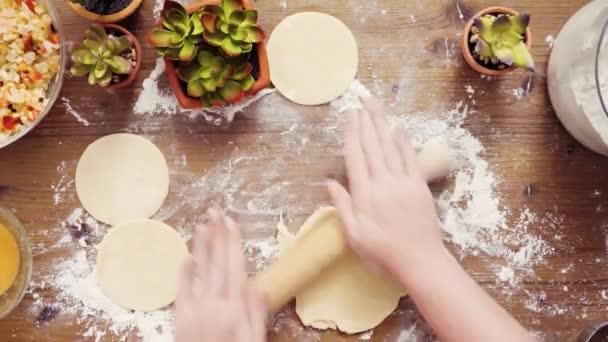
(313, 58)
(348, 295)
(122, 177)
(138, 264)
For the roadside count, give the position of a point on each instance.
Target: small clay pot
(138, 58)
(597, 330)
(468, 55)
(108, 18)
(261, 62)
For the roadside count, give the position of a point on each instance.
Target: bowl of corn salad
(32, 62)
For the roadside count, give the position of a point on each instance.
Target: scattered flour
(549, 40)
(283, 3)
(68, 108)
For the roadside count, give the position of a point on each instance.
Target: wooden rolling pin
(315, 251)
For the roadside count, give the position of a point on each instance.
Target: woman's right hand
(389, 215)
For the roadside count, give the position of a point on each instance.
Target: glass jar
(578, 76)
(13, 296)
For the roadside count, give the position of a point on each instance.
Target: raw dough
(313, 58)
(122, 177)
(138, 264)
(347, 296)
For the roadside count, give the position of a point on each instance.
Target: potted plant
(109, 55)
(214, 52)
(104, 11)
(497, 40)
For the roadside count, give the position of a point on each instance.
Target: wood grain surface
(410, 57)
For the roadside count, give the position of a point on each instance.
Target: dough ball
(313, 58)
(138, 264)
(122, 177)
(347, 296)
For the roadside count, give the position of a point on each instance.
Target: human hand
(389, 216)
(214, 302)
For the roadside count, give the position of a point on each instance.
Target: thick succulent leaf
(84, 56)
(172, 53)
(80, 69)
(208, 21)
(520, 23)
(172, 9)
(251, 17)
(188, 51)
(96, 32)
(204, 58)
(224, 27)
(120, 65)
(90, 44)
(205, 100)
(214, 39)
(230, 6)
(105, 80)
(482, 48)
(183, 28)
(238, 35)
(195, 88)
(522, 57)
(505, 55)
(231, 48)
(215, 99)
(209, 85)
(242, 72)
(247, 83)
(215, 10)
(196, 39)
(225, 74)
(100, 69)
(237, 17)
(123, 43)
(92, 79)
(204, 72)
(501, 24)
(162, 38)
(246, 47)
(197, 25)
(168, 25)
(232, 91)
(188, 72)
(216, 65)
(484, 25)
(254, 34)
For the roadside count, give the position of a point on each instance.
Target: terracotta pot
(466, 51)
(105, 19)
(138, 58)
(189, 102)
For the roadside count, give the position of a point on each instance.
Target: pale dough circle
(138, 263)
(313, 58)
(347, 296)
(122, 177)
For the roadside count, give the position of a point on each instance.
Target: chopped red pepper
(35, 76)
(54, 37)
(27, 42)
(9, 122)
(30, 4)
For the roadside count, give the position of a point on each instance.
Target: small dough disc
(138, 264)
(313, 58)
(347, 296)
(122, 177)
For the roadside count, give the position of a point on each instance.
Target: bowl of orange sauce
(15, 262)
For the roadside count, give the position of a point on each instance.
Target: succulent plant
(230, 27)
(99, 56)
(499, 40)
(215, 80)
(180, 35)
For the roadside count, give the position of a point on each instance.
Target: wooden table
(410, 57)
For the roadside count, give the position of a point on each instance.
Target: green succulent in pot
(180, 35)
(215, 79)
(499, 41)
(102, 56)
(230, 27)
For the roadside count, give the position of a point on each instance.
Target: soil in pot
(105, 7)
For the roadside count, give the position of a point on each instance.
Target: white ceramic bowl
(55, 85)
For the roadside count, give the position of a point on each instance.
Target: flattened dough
(138, 264)
(347, 296)
(122, 177)
(313, 58)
